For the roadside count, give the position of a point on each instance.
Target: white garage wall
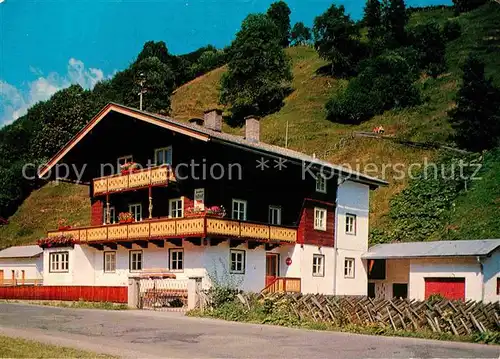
(491, 271)
(453, 267)
(32, 267)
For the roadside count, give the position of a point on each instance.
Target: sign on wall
(199, 198)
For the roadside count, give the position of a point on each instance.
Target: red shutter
(450, 288)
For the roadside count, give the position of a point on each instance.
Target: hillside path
(147, 334)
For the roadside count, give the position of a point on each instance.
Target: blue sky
(47, 45)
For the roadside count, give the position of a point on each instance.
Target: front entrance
(272, 267)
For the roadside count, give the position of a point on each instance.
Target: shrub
(384, 82)
(451, 30)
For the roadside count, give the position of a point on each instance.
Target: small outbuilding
(466, 270)
(21, 265)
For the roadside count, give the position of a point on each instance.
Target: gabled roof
(21, 252)
(480, 247)
(205, 134)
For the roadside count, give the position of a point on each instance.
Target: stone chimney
(252, 128)
(213, 119)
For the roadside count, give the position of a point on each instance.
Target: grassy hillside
(310, 132)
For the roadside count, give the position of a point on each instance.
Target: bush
(430, 44)
(451, 30)
(384, 82)
(467, 5)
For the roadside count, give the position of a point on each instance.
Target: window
(320, 183)
(112, 216)
(176, 259)
(136, 210)
(176, 208)
(109, 262)
(318, 265)
(275, 215)
(59, 262)
(320, 219)
(237, 261)
(135, 261)
(349, 268)
(239, 210)
(350, 223)
(163, 156)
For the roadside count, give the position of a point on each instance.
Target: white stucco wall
(33, 268)
(491, 271)
(352, 198)
(453, 267)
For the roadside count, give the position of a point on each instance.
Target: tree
(259, 73)
(476, 119)
(301, 34)
(394, 20)
(467, 5)
(337, 38)
(279, 13)
(158, 83)
(373, 19)
(429, 41)
(155, 49)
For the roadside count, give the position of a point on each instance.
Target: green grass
(74, 305)
(309, 130)
(21, 348)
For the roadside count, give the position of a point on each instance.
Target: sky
(47, 45)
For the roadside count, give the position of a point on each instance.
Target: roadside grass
(74, 305)
(22, 348)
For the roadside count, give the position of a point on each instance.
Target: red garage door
(450, 288)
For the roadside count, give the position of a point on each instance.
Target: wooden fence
(66, 293)
(456, 317)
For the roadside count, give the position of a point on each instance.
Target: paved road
(159, 335)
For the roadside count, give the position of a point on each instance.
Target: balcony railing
(181, 228)
(153, 176)
(283, 285)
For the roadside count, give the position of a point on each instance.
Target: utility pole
(286, 133)
(142, 81)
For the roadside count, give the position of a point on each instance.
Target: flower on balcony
(62, 224)
(217, 211)
(125, 217)
(61, 240)
(129, 167)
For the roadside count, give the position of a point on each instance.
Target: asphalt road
(142, 334)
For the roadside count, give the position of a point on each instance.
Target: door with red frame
(449, 288)
(272, 267)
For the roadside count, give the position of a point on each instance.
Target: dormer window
(320, 183)
(163, 156)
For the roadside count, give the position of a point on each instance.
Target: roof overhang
(111, 107)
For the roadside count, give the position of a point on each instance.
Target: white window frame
(176, 261)
(109, 263)
(275, 215)
(320, 225)
(350, 223)
(59, 262)
(135, 205)
(134, 263)
(112, 215)
(318, 265)
(321, 183)
(238, 214)
(164, 150)
(349, 267)
(171, 213)
(128, 158)
(240, 260)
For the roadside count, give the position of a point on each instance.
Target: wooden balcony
(283, 285)
(181, 228)
(152, 176)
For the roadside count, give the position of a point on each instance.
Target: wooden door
(449, 288)
(1, 276)
(272, 267)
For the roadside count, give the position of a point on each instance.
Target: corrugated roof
(480, 247)
(21, 252)
(264, 147)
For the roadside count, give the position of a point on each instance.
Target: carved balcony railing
(152, 176)
(181, 228)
